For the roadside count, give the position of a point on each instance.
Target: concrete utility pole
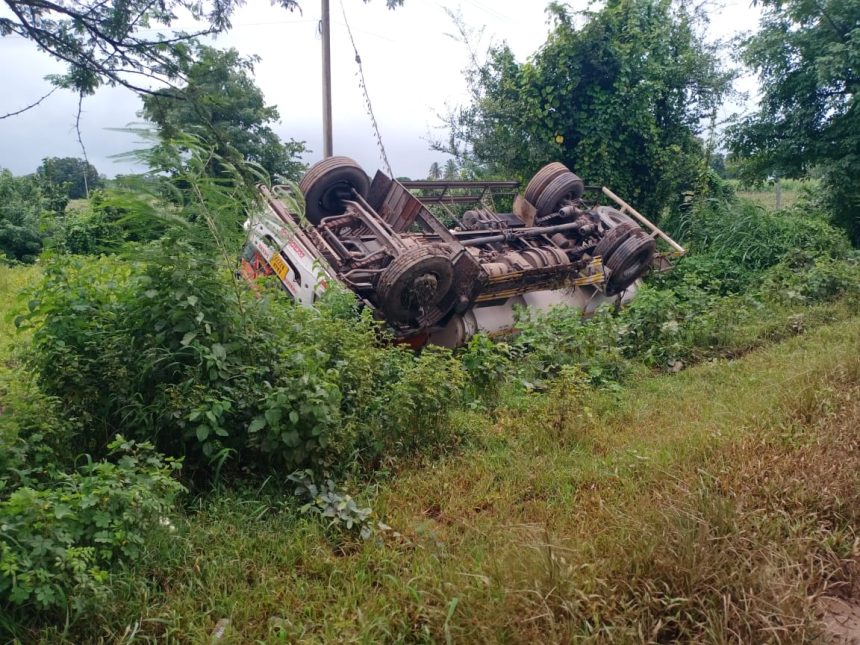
(325, 29)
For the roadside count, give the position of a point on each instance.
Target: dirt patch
(841, 620)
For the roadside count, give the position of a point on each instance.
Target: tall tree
(451, 171)
(221, 98)
(619, 100)
(76, 176)
(807, 55)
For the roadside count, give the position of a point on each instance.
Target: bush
(488, 367)
(25, 202)
(742, 234)
(561, 336)
(111, 220)
(809, 280)
(58, 541)
(172, 350)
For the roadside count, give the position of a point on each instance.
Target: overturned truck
(438, 283)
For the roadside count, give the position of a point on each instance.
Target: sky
(412, 65)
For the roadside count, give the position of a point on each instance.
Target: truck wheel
(629, 262)
(328, 184)
(564, 187)
(612, 217)
(542, 179)
(612, 239)
(415, 287)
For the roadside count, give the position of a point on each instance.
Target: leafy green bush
(172, 350)
(808, 280)
(410, 411)
(111, 220)
(744, 235)
(58, 541)
(562, 337)
(25, 204)
(488, 366)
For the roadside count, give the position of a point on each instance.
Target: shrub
(561, 337)
(805, 279)
(59, 541)
(410, 407)
(745, 235)
(488, 367)
(173, 351)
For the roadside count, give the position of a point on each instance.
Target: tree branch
(29, 107)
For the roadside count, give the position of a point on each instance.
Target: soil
(841, 619)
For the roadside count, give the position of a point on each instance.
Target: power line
(363, 85)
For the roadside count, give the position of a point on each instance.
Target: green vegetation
(679, 506)
(28, 206)
(618, 97)
(76, 177)
(220, 97)
(181, 455)
(344, 471)
(806, 57)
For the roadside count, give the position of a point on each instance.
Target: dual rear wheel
(626, 250)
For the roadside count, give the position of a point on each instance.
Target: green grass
(765, 195)
(712, 505)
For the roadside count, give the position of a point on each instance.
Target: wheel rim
(417, 286)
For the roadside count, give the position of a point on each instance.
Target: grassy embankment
(715, 504)
(765, 195)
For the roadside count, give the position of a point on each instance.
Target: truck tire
(417, 286)
(629, 262)
(565, 187)
(612, 239)
(328, 184)
(542, 179)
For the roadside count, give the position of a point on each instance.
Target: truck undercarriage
(434, 283)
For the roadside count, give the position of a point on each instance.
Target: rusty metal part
(459, 192)
(417, 286)
(518, 234)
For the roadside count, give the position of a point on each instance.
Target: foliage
(488, 366)
(75, 177)
(120, 43)
(561, 337)
(410, 413)
(115, 44)
(619, 100)
(221, 99)
(25, 204)
(744, 235)
(806, 56)
(327, 501)
(58, 541)
(170, 347)
(110, 220)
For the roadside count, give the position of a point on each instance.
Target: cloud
(412, 67)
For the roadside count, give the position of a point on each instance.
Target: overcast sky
(413, 68)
